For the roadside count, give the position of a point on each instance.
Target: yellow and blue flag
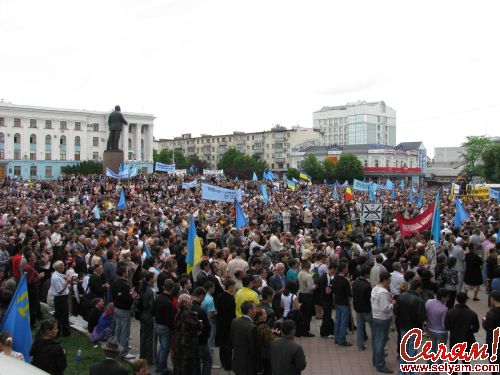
(303, 175)
(17, 320)
(290, 184)
(194, 252)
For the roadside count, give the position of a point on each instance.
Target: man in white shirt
(275, 243)
(396, 278)
(382, 305)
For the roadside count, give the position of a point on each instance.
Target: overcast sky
(217, 66)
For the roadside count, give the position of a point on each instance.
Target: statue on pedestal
(115, 122)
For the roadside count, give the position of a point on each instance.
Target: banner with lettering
(494, 194)
(216, 172)
(418, 223)
(160, 167)
(189, 185)
(361, 186)
(216, 193)
(110, 173)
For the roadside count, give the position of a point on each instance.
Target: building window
(17, 139)
(95, 156)
(48, 156)
(17, 122)
(33, 139)
(32, 123)
(2, 121)
(77, 141)
(78, 126)
(376, 163)
(2, 138)
(272, 166)
(77, 156)
(411, 163)
(397, 163)
(64, 125)
(48, 139)
(17, 154)
(48, 124)
(365, 163)
(33, 171)
(62, 140)
(130, 143)
(95, 141)
(48, 171)
(387, 163)
(95, 127)
(32, 155)
(280, 165)
(143, 128)
(63, 156)
(17, 170)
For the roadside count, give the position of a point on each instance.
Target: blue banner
(110, 173)
(495, 194)
(160, 167)
(189, 185)
(361, 186)
(216, 193)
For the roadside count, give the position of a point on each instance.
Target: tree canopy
(475, 146)
(237, 164)
(348, 167)
(85, 167)
(491, 163)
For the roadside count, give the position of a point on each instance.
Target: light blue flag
(436, 220)
(335, 193)
(389, 185)
(308, 202)
(372, 192)
(255, 178)
(393, 193)
(498, 235)
(264, 193)
(146, 250)
(402, 185)
(420, 199)
(270, 175)
(413, 190)
(411, 198)
(241, 220)
(460, 213)
(122, 202)
(345, 184)
(378, 240)
(17, 320)
(96, 212)
(294, 180)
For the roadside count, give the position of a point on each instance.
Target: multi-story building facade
(357, 123)
(36, 142)
(377, 160)
(274, 146)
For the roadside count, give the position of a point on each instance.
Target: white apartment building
(36, 142)
(274, 146)
(357, 123)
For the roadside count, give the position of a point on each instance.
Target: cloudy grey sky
(216, 66)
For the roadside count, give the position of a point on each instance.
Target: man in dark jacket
(123, 297)
(361, 301)
(109, 365)
(163, 312)
(492, 321)
(205, 353)
(410, 312)
(96, 288)
(462, 323)
(115, 122)
(326, 297)
(226, 312)
(287, 357)
(342, 291)
(244, 341)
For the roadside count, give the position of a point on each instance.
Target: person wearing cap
(109, 365)
(492, 321)
(462, 322)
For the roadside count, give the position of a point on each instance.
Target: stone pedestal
(112, 160)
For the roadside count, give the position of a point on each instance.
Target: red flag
(418, 223)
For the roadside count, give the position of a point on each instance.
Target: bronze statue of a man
(115, 122)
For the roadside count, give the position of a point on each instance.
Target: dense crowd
(301, 256)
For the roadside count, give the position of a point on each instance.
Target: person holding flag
(194, 252)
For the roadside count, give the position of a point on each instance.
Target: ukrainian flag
(290, 184)
(303, 175)
(194, 253)
(17, 320)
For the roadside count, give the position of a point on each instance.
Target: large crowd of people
(303, 255)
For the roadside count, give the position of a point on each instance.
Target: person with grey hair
(397, 278)
(59, 286)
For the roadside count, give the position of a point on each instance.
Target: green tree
(292, 173)
(348, 167)
(165, 157)
(85, 167)
(237, 164)
(491, 163)
(328, 170)
(197, 163)
(475, 146)
(313, 168)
